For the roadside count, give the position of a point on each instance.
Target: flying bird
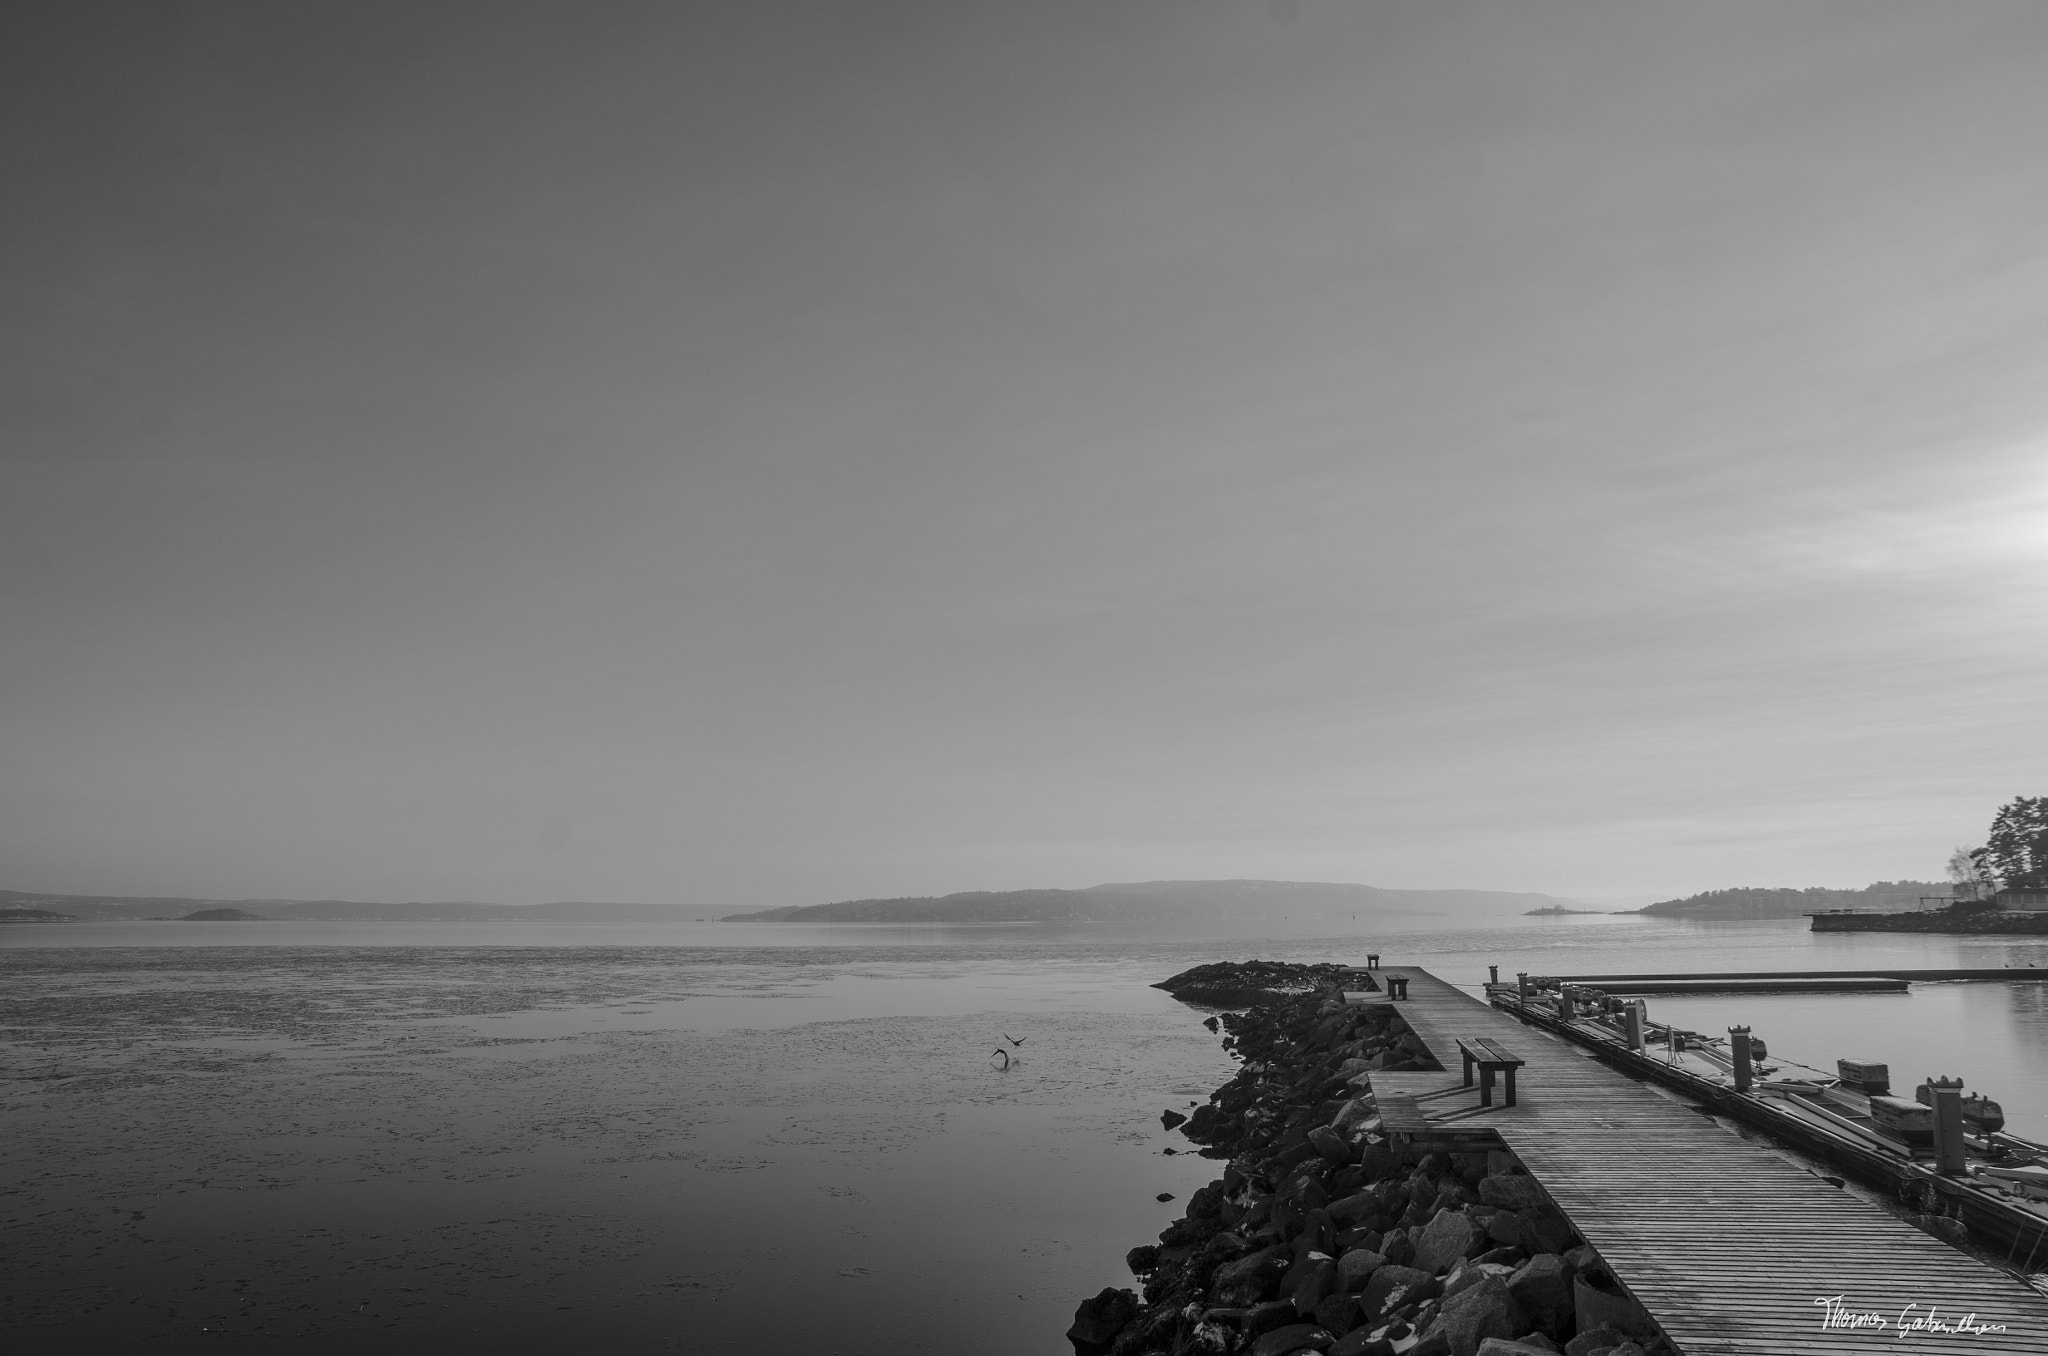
(1014, 1040)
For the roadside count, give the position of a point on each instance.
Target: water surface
(705, 1136)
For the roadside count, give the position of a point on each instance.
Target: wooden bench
(1489, 1055)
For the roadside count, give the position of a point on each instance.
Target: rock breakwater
(1325, 1235)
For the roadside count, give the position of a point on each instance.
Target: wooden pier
(1731, 1247)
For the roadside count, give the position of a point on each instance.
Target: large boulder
(1597, 1301)
(1261, 1319)
(1338, 1313)
(1514, 1191)
(1361, 1342)
(1334, 1148)
(1500, 1346)
(1595, 1341)
(1399, 1246)
(1318, 1281)
(1354, 1209)
(1248, 1280)
(1392, 1286)
(1478, 1312)
(1543, 1287)
(1471, 1273)
(1356, 1267)
(1097, 1321)
(1448, 1238)
(1293, 1337)
(1545, 1229)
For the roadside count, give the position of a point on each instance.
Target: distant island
(1152, 902)
(1155, 902)
(1886, 896)
(21, 906)
(1557, 909)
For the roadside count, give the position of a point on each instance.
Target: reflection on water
(702, 1136)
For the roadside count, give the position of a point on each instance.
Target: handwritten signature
(1836, 1312)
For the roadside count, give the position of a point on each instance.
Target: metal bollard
(1738, 1043)
(1632, 1023)
(1522, 985)
(1493, 974)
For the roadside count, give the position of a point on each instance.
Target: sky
(752, 454)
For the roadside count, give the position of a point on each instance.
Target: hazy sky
(760, 454)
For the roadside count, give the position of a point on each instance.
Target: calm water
(713, 1137)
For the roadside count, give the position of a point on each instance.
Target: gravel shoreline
(1323, 1236)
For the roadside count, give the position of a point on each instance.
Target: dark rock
(1097, 1321)
(1500, 1346)
(1450, 1237)
(1543, 1287)
(1316, 1282)
(1469, 1274)
(1205, 1339)
(1359, 1342)
(1264, 1318)
(1545, 1230)
(1293, 1337)
(1169, 1119)
(1331, 1145)
(1592, 1341)
(1356, 1267)
(1353, 1209)
(1513, 1192)
(1597, 1301)
(1251, 1279)
(1478, 1312)
(1399, 1246)
(1435, 1344)
(1164, 1196)
(1508, 1256)
(1339, 1313)
(1392, 1286)
(1142, 1259)
(1318, 1233)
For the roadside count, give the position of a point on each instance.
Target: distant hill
(1886, 896)
(1150, 901)
(101, 907)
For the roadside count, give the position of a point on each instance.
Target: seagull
(1005, 1055)
(1019, 1043)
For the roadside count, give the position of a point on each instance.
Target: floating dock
(1682, 984)
(1729, 1245)
(2009, 972)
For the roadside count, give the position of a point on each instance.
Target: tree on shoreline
(2015, 852)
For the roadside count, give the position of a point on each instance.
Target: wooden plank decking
(1728, 1244)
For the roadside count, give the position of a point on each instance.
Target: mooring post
(1564, 1003)
(1948, 1126)
(1372, 960)
(1522, 985)
(1492, 974)
(1632, 1022)
(1738, 1041)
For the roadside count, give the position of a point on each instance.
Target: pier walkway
(1729, 1245)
